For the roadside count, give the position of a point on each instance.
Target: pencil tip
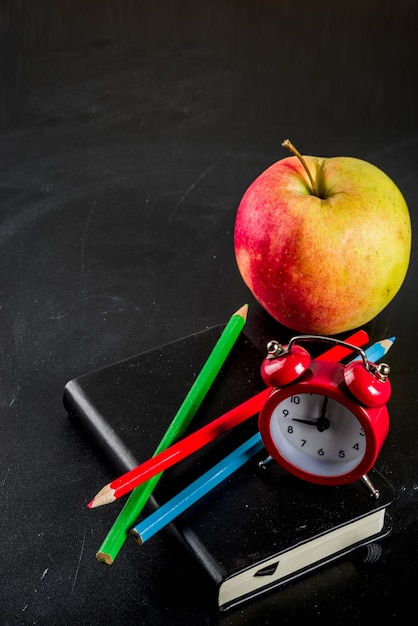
(243, 311)
(106, 495)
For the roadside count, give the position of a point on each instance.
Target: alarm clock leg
(266, 462)
(372, 489)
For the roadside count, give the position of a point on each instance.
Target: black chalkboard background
(128, 133)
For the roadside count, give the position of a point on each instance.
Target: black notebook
(261, 527)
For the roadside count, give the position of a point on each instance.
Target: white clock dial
(318, 434)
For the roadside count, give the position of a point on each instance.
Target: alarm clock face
(317, 434)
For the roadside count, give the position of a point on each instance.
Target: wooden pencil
(183, 448)
(179, 451)
(129, 514)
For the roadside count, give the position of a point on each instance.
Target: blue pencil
(196, 490)
(377, 351)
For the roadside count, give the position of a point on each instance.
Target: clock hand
(322, 422)
(309, 422)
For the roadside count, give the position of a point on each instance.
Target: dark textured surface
(128, 133)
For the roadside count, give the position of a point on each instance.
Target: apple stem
(289, 145)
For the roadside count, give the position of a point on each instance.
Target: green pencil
(139, 496)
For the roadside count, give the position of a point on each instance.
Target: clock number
(321, 452)
(361, 433)
(285, 412)
(341, 454)
(303, 442)
(356, 447)
(295, 399)
(290, 429)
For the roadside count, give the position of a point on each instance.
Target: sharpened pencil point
(106, 495)
(242, 312)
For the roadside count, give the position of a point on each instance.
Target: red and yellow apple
(323, 243)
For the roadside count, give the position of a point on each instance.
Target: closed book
(261, 527)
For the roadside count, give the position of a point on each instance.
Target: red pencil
(183, 448)
(337, 353)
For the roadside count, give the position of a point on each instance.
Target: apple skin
(329, 263)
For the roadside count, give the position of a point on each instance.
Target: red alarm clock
(325, 422)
